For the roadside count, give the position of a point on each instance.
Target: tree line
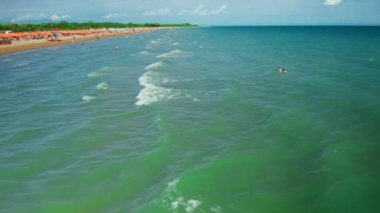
(63, 25)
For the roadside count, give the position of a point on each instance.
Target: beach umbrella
(3, 36)
(14, 35)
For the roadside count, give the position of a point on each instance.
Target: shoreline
(20, 46)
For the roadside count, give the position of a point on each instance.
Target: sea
(194, 120)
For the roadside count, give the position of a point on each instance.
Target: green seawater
(194, 120)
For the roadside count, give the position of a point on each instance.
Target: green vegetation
(78, 26)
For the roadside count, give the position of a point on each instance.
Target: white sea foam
(174, 201)
(188, 96)
(102, 86)
(171, 198)
(20, 64)
(152, 93)
(216, 209)
(6, 60)
(176, 43)
(144, 52)
(88, 98)
(99, 72)
(155, 65)
(93, 75)
(154, 42)
(105, 68)
(173, 183)
(174, 54)
(192, 204)
(153, 89)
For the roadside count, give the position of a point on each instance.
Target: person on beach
(55, 35)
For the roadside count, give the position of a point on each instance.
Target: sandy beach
(24, 45)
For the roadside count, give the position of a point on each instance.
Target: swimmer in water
(280, 69)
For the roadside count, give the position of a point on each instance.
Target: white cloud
(114, 15)
(202, 11)
(220, 10)
(39, 17)
(66, 17)
(159, 12)
(332, 2)
(55, 17)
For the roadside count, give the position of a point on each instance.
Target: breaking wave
(102, 86)
(174, 201)
(152, 91)
(88, 98)
(93, 75)
(20, 64)
(174, 54)
(99, 72)
(144, 52)
(155, 65)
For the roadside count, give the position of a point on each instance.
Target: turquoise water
(195, 120)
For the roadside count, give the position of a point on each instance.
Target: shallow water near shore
(194, 120)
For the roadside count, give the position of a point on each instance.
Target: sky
(201, 12)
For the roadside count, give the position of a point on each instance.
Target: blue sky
(203, 12)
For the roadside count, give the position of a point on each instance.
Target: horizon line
(291, 25)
